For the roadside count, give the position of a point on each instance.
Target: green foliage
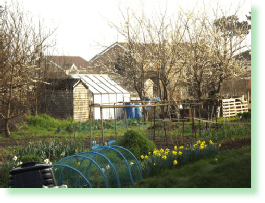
(227, 132)
(55, 149)
(30, 158)
(246, 116)
(155, 163)
(227, 169)
(135, 142)
(47, 123)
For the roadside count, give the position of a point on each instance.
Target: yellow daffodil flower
(175, 162)
(164, 157)
(149, 153)
(181, 147)
(180, 153)
(166, 153)
(161, 150)
(146, 157)
(175, 148)
(142, 157)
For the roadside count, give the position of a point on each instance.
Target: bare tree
(23, 45)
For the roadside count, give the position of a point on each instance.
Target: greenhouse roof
(100, 84)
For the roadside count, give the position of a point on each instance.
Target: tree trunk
(7, 130)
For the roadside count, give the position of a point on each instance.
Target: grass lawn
(232, 169)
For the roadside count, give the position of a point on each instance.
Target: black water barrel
(31, 175)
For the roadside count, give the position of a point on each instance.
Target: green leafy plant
(135, 142)
(30, 158)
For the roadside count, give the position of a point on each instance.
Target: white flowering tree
(22, 45)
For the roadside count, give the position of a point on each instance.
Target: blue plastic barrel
(129, 111)
(138, 111)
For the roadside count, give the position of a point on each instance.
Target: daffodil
(107, 167)
(181, 147)
(175, 162)
(180, 153)
(166, 153)
(219, 145)
(175, 148)
(78, 164)
(149, 153)
(15, 158)
(216, 159)
(103, 169)
(142, 157)
(154, 164)
(146, 157)
(161, 150)
(164, 157)
(131, 163)
(167, 150)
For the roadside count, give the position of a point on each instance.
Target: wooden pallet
(231, 107)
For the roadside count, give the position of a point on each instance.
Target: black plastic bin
(31, 175)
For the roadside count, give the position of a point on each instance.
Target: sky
(82, 25)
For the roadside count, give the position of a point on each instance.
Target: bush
(245, 116)
(30, 158)
(136, 143)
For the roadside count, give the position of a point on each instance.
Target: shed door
(81, 103)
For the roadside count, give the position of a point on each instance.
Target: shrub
(245, 115)
(136, 143)
(30, 158)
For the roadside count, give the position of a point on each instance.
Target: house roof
(244, 55)
(119, 44)
(61, 84)
(100, 84)
(66, 62)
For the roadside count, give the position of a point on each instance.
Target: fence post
(154, 123)
(193, 127)
(115, 122)
(90, 130)
(101, 116)
(200, 120)
(183, 131)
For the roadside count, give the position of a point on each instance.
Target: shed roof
(100, 84)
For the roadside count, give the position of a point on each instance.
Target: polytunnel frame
(139, 166)
(74, 170)
(118, 181)
(80, 166)
(124, 161)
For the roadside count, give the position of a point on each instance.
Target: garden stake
(102, 131)
(200, 120)
(154, 123)
(182, 131)
(126, 118)
(193, 121)
(90, 130)
(115, 122)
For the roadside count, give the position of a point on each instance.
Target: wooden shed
(71, 97)
(66, 98)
